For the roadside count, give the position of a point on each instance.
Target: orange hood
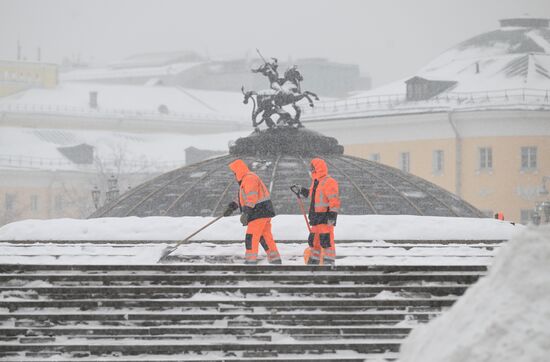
(320, 168)
(239, 168)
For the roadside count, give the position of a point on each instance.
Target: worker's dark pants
(322, 238)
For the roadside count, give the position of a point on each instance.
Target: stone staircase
(219, 312)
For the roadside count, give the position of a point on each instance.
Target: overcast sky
(389, 39)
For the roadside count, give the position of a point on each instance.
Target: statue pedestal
(286, 141)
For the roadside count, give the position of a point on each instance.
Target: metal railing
(17, 161)
(113, 112)
(396, 102)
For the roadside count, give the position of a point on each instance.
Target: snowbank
(504, 317)
(285, 227)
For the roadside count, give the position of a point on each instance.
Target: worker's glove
(232, 206)
(299, 190)
(244, 219)
(245, 215)
(331, 218)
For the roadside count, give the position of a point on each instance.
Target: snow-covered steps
(339, 356)
(219, 312)
(349, 252)
(370, 243)
(170, 292)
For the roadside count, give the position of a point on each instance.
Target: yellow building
(475, 121)
(16, 76)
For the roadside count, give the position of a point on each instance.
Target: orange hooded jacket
(325, 198)
(254, 197)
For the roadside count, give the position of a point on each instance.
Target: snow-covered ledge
(285, 227)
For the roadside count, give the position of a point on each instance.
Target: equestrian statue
(282, 92)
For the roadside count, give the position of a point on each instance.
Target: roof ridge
(539, 40)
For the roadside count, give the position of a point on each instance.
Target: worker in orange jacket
(323, 211)
(256, 213)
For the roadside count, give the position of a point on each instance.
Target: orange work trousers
(259, 232)
(322, 238)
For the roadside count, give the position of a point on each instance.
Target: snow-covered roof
(158, 59)
(37, 149)
(508, 58)
(119, 73)
(74, 98)
(508, 67)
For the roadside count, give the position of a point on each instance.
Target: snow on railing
(15, 161)
(396, 102)
(113, 112)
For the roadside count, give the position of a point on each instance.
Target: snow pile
(285, 227)
(504, 317)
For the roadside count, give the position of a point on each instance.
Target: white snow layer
(285, 227)
(504, 317)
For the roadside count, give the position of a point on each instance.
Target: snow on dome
(504, 317)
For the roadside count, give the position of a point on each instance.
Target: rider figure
(269, 69)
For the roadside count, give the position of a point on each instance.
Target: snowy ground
(360, 240)
(285, 227)
(504, 317)
(379, 253)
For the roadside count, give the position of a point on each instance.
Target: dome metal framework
(281, 158)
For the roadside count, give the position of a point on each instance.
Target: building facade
(321, 75)
(497, 167)
(16, 76)
(475, 121)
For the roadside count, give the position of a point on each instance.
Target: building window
(528, 158)
(374, 157)
(437, 161)
(58, 203)
(527, 216)
(404, 161)
(485, 158)
(9, 203)
(34, 202)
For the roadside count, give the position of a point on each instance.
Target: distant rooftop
(525, 22)
(159, 59)
(504, 68)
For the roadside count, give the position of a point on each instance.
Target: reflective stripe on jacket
(253, 195)
(323, 192)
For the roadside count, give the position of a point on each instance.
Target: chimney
(477, 67)
(93, 99)
(38, 54)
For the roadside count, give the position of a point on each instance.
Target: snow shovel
(167, 251)
(295, 190)
(307, 251)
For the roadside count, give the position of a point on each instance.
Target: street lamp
(544, 191)
(543, 208)
(95, 196)
(111, 194)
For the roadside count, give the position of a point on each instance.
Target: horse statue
(283, 91)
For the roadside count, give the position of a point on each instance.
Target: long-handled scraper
(167, 251)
